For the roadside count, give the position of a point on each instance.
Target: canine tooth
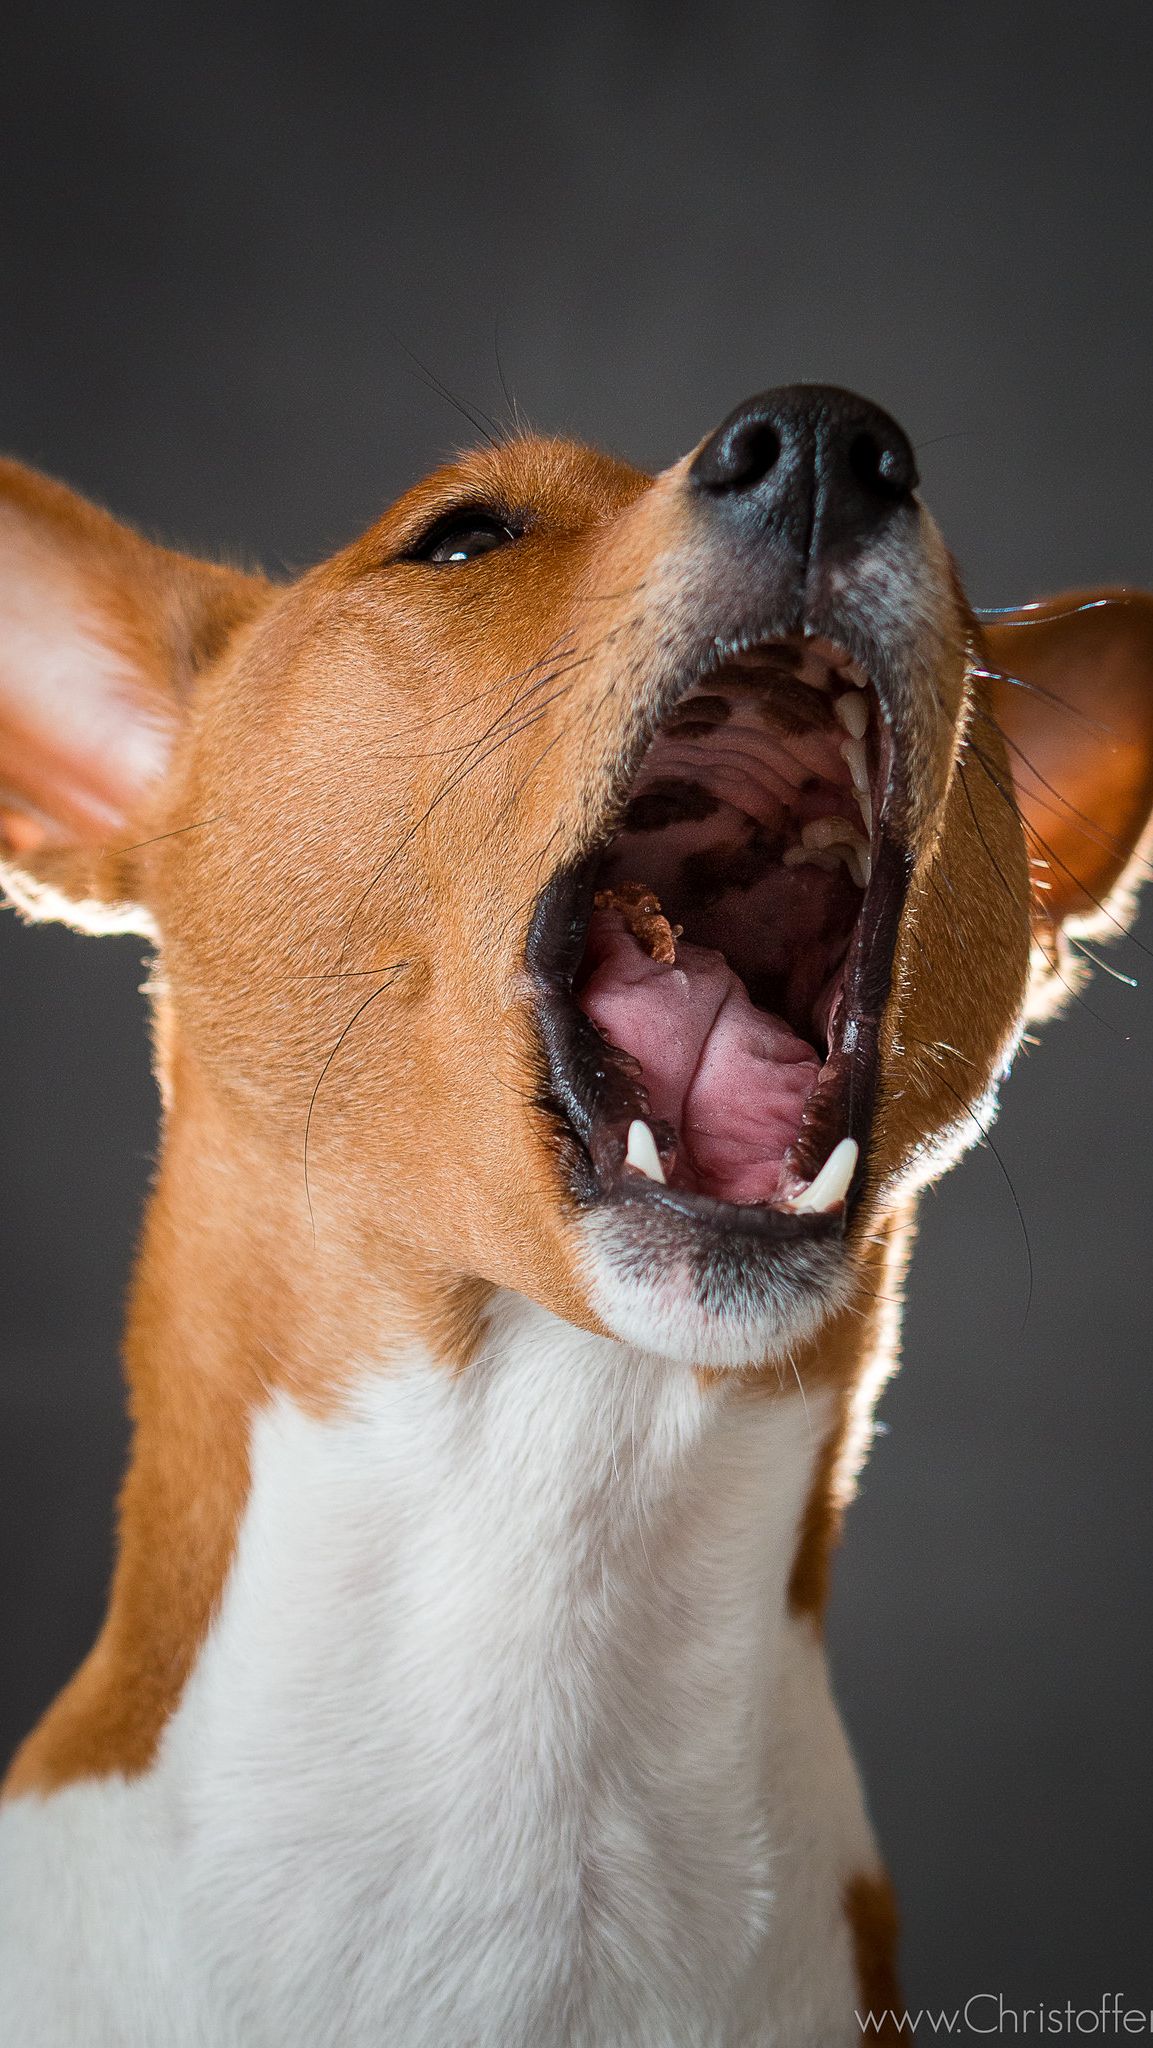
(853, 713)
(857, 761)
(865, 806)
(831, 1185)
(642, 1151)
(859, 862)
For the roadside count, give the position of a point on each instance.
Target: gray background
(221, 229)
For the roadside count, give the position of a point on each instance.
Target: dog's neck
(524, 1628)
(433, 1599)
(543, 1450)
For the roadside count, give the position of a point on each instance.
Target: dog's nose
(816, 466)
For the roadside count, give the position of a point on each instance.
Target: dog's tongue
(731, 1079)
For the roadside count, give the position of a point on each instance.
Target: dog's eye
(462, 538)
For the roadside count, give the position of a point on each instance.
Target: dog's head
(619, 889)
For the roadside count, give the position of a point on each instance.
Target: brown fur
(871, 1911)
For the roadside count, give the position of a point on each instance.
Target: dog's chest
(479, 1749)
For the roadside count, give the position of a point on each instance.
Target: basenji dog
(586, 911)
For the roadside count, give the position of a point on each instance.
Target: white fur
(501, 1739)
(655, 1302)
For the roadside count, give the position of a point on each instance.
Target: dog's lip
(595, 1115)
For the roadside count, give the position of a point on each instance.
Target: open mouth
(711, 980)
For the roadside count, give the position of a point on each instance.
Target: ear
(102, 637)
(1071, 684)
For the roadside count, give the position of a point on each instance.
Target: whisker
(1002, 611)
(466, 746)
(447, 789)
(482, 421)
(1039, 902)
(1000, 873)
(465, 703)
(1115, 974)
(1003, 675)
(394, 972)
(472, 762)
(1090, 824)
(516, 421)
(139, 845)
(1055, 860)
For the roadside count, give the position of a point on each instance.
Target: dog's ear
(1071, 684)
(102, 637)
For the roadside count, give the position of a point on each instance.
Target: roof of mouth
(745, 836)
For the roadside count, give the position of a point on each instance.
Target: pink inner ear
(1071, 686)
(20, 833)
(82, 774)
(83, 735)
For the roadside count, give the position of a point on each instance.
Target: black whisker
(483, 422)
(958, 434)
(460, 704)
(1056, 861)
(139, 845)
(517, 704)
(394, 971)
(515, 420)
(1091, 829)
(1039, 905)
(999, 871)
(1003, 675)
(446, 790)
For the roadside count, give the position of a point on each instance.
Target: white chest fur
(501, 1739)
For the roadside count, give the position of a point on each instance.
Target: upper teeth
(835, 836)
(853, 712)
(857, 762)
(848, 847)
(860, 864)
(831, 1185)
(836, 658)
(828, 831)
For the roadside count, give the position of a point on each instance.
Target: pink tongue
(731, 1079)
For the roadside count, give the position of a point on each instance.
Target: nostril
(883, 468)
(740, 454)
(760, 452)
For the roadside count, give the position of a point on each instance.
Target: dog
(587, 910)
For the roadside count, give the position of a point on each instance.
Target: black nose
(815, 466)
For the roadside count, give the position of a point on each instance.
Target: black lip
(591, 1087)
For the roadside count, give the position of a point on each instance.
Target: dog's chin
(707, 1298)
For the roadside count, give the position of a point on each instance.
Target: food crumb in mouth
(642, 913)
